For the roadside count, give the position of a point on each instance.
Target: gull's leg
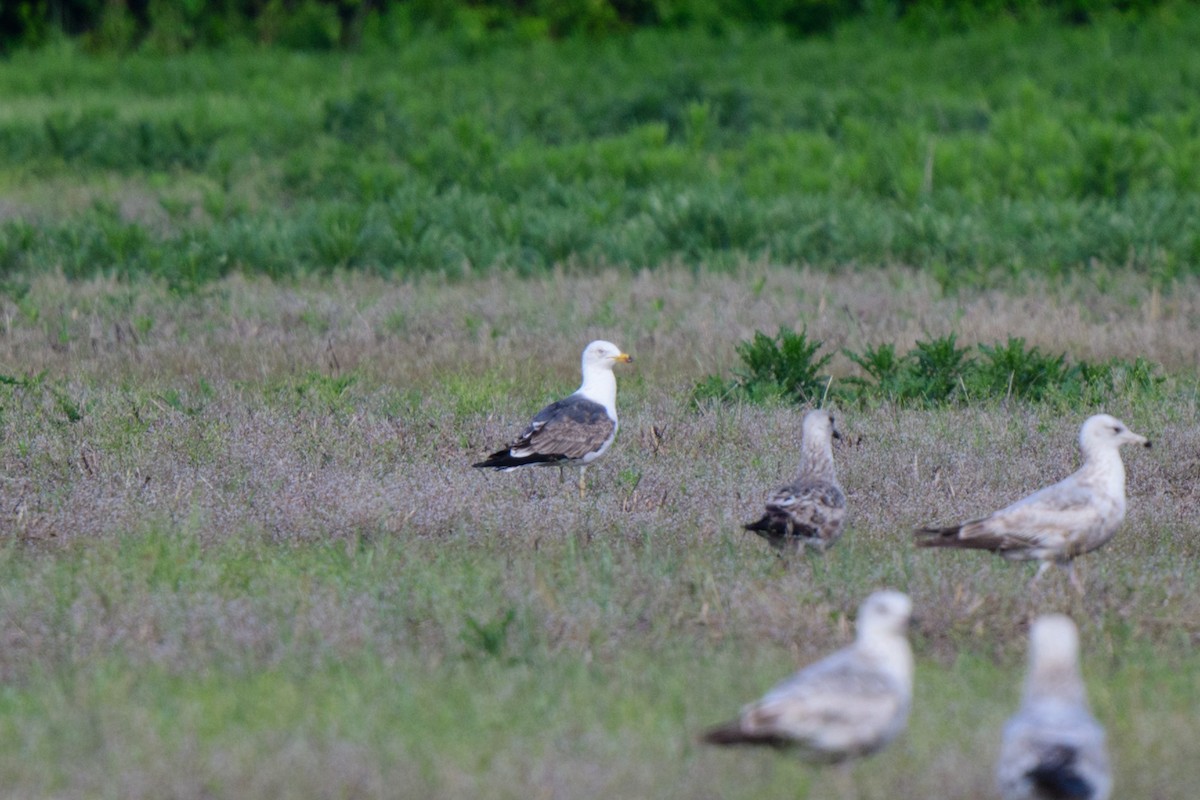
(1076, 581)
(582, 485)
(561, 476)
(844, 781)
(1045, 565)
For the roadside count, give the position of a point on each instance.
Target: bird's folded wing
(834, 707)
(1048, 518)
(1031, 743)
(572, 428)
(797, 496)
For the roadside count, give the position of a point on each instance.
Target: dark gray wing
(565, 430)
(570, 428)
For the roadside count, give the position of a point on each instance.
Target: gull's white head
(1054, 659)
(604, 355)
(819, 426)
(885, 612)
(1053, 642)
(1105, 432)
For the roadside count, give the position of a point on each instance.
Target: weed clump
(936, 372)
(785, 367)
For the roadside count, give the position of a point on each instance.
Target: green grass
(254, 560)
(345, 668)
(1058, 147)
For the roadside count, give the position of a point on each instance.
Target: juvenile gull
(1062, 521)
(575, 430)
(812, 508)
(1053, 747)
(849, 704)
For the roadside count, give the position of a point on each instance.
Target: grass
(245, 555)
(1059, 148)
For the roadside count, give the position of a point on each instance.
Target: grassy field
(1011, 149)
(259, 311)
(244, 553)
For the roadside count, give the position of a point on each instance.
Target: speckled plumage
(811, 510)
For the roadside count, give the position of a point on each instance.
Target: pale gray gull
(849, 704)
(1053, 747)
(1060, 522)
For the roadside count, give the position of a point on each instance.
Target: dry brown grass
(264, 480)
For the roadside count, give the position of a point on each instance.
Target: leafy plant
(786, 366)
(936, 372)
(939, 367)
(1012, 370)
(889, 372)
(490, 637)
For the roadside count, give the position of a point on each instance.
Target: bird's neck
(892, 655)
(1061, 682)
(600, 385)
(1104, 469)
(816, 460)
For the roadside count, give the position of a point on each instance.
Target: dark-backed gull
(575, 430)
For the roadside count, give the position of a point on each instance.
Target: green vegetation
(935, 372)
(119, 25)
(261, 305)
(786, 367)
(1009, 150)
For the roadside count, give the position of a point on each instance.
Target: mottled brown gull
(811, 510)
(1060, 522)
(575, 430)
(1053, 748)
(849, 704)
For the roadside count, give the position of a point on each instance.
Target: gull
(1053, 748)
(812, 508)
(849, 704)
(575, 430)
(1060, 522)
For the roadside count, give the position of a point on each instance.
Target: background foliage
(1005, 149)
(324, 24)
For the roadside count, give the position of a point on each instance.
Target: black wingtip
(505, 460)
(757, 526)
(723, 735)
(731, 734)
(1057, 778)
(937, 537)
(497, 460)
